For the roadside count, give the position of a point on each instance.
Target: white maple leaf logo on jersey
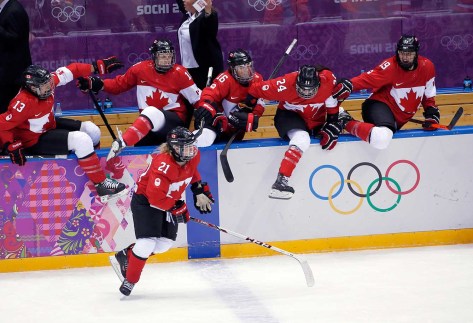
(158, 99)
(176, 186)
(408, 99)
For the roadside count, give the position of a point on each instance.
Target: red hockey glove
(206, 111)
(107, 65)
(93, 83)
(243, 120)
(179, 212)
(342, 90)
(15, 151)
(329, 132)
(220, 123)
(432, 116)
(203, 198)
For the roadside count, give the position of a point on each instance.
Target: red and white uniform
(283, 89)
(163, 91)
(226, 92)
(403, 91)
(28, 117)
(164, 182)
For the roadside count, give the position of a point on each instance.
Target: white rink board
(442, 200)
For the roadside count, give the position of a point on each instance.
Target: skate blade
(106, 198)
(275, 194)
(112, 153)
(116, 267)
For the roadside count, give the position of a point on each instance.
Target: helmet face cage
(408, 48)
(241, 66)
(163, 54)
(307, 83)
(38, 81)
(181, 144)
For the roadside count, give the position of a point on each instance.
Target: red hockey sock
(91, 166)
(135, 267)
(360, 129)
(290, 160)
(137, 130)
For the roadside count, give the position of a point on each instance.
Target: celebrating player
(161, 85)
(29, 125)
(400, 84)
(306, 107)
(225, 106)
(157, 204)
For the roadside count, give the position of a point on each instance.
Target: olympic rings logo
(373, 187)
(305, 52)
(460, 42)
(261, 5)
(70, 13)
(134, 58)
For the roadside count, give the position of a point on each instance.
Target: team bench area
(448, 101)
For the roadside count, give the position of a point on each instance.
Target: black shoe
(109, 189)
(281, 188)
(343, 118)
(126, 288)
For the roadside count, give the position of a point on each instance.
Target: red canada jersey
(226, 92)
(403, 91)
(163, 91)
(164, 181)
(283, 89)
(27, 117)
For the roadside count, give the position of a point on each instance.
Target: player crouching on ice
(157, 206)
(29, 125)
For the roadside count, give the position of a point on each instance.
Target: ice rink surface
(429, 284)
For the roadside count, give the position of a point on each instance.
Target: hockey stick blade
(450, 126)
(309, 276)
(227, 171)
(455, 118)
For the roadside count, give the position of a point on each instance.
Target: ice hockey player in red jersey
(225, 106)
(306, 107)
(30, 127)
(161, 85)
(400, 85)
(157, 204)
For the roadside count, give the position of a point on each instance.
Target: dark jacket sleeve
(15, 54)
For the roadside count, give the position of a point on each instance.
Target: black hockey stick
(309, 276)
(450, 126)
(227, 171)
(104, 118)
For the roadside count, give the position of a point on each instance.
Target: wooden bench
(448, 104)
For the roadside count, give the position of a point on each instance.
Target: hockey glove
(93, 83)
(432, 116)
(243, 120)
(179, 212)
(107, 65)
(15, 151)
(206, 111)
(342, 90)
(203, 199)
(329, 132)
(220, 123)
